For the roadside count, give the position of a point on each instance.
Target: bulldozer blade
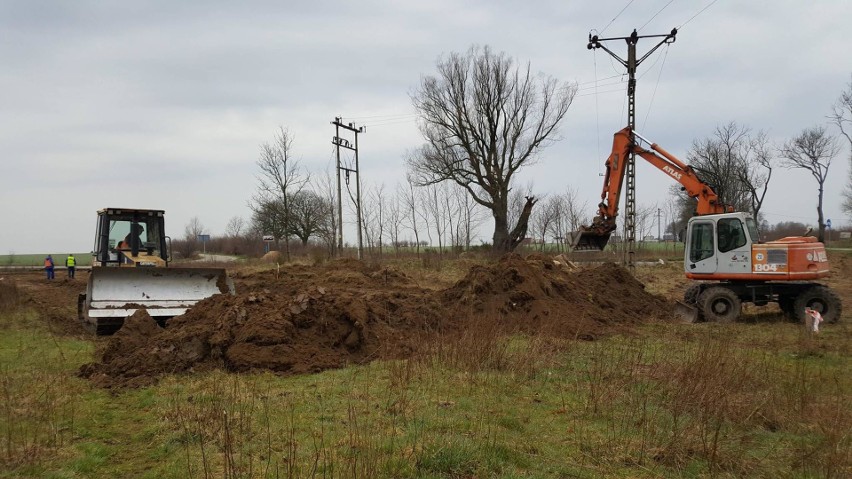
(688, 313)
(113, 294)
(588, 240)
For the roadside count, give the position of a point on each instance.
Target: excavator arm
(596, 235)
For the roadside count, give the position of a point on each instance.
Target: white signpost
(267, 240)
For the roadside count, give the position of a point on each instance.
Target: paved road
(217, 258)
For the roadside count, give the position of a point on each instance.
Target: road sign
(828, 223)
(268, 239)
(204, 238)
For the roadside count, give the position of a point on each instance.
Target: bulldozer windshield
(129, 232)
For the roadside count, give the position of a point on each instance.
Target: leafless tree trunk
(470, 215)
(410, 201)
(813, 151)
(395, 219)
(842, 117)
(434, 207)
(483, 119)
(326, 188)
(280, 178)
(544, 217)
(451, 213)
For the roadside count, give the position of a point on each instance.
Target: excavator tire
(786, 303)
(820, 298)
(719, 304)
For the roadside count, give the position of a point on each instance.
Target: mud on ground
(312, 318)
(346, 312)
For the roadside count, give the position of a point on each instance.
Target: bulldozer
(723, 253)
(131, 271)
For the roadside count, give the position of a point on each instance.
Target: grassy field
(757, 399)
(83, 259)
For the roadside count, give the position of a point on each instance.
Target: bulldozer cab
(130, 237)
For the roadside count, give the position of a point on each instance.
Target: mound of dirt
(272, 257)
(536, 294)
(347, 312)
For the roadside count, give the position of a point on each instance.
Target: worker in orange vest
(48, 266)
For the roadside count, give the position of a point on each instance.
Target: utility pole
(632, 63)
(659, 214)
(344, 143)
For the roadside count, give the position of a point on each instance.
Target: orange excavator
(723, 253)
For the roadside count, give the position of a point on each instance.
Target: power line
(699, 13)
(613, 19)
(651, 103)
(377, 116)
(600, 79)
(655, 15)
(391, 122)
(620, 90)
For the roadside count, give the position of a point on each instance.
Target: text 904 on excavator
(131, 271)
(723, 253)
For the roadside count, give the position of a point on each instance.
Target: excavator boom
(596, 235)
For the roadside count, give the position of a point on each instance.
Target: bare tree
(483, 119)
(736, 163)
(434, 209)
(325, 187)
(268, 219)
(235, 227)
(280, 179)
(542, 219)
(192, 231)
(755, 169)
(373, 217)
(842, 117)
(718, 159)
(307, 212)
(395, 218)
(408, 194)
(471, 215)
(194, 228)
(813, 151)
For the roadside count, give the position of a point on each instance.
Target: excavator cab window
(731, 234)
(752, 230)
(701, 242)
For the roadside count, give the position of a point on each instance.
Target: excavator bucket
(588, 240)
(689, 314)
(113, 294)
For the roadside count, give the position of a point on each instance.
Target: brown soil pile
(346, 312)
(538, 294)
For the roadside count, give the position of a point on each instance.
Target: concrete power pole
(344, 143)
(631, 63)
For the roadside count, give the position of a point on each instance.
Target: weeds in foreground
(726, 401)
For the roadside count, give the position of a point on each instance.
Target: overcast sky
(164, 104)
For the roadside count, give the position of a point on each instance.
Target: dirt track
(346, 312)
